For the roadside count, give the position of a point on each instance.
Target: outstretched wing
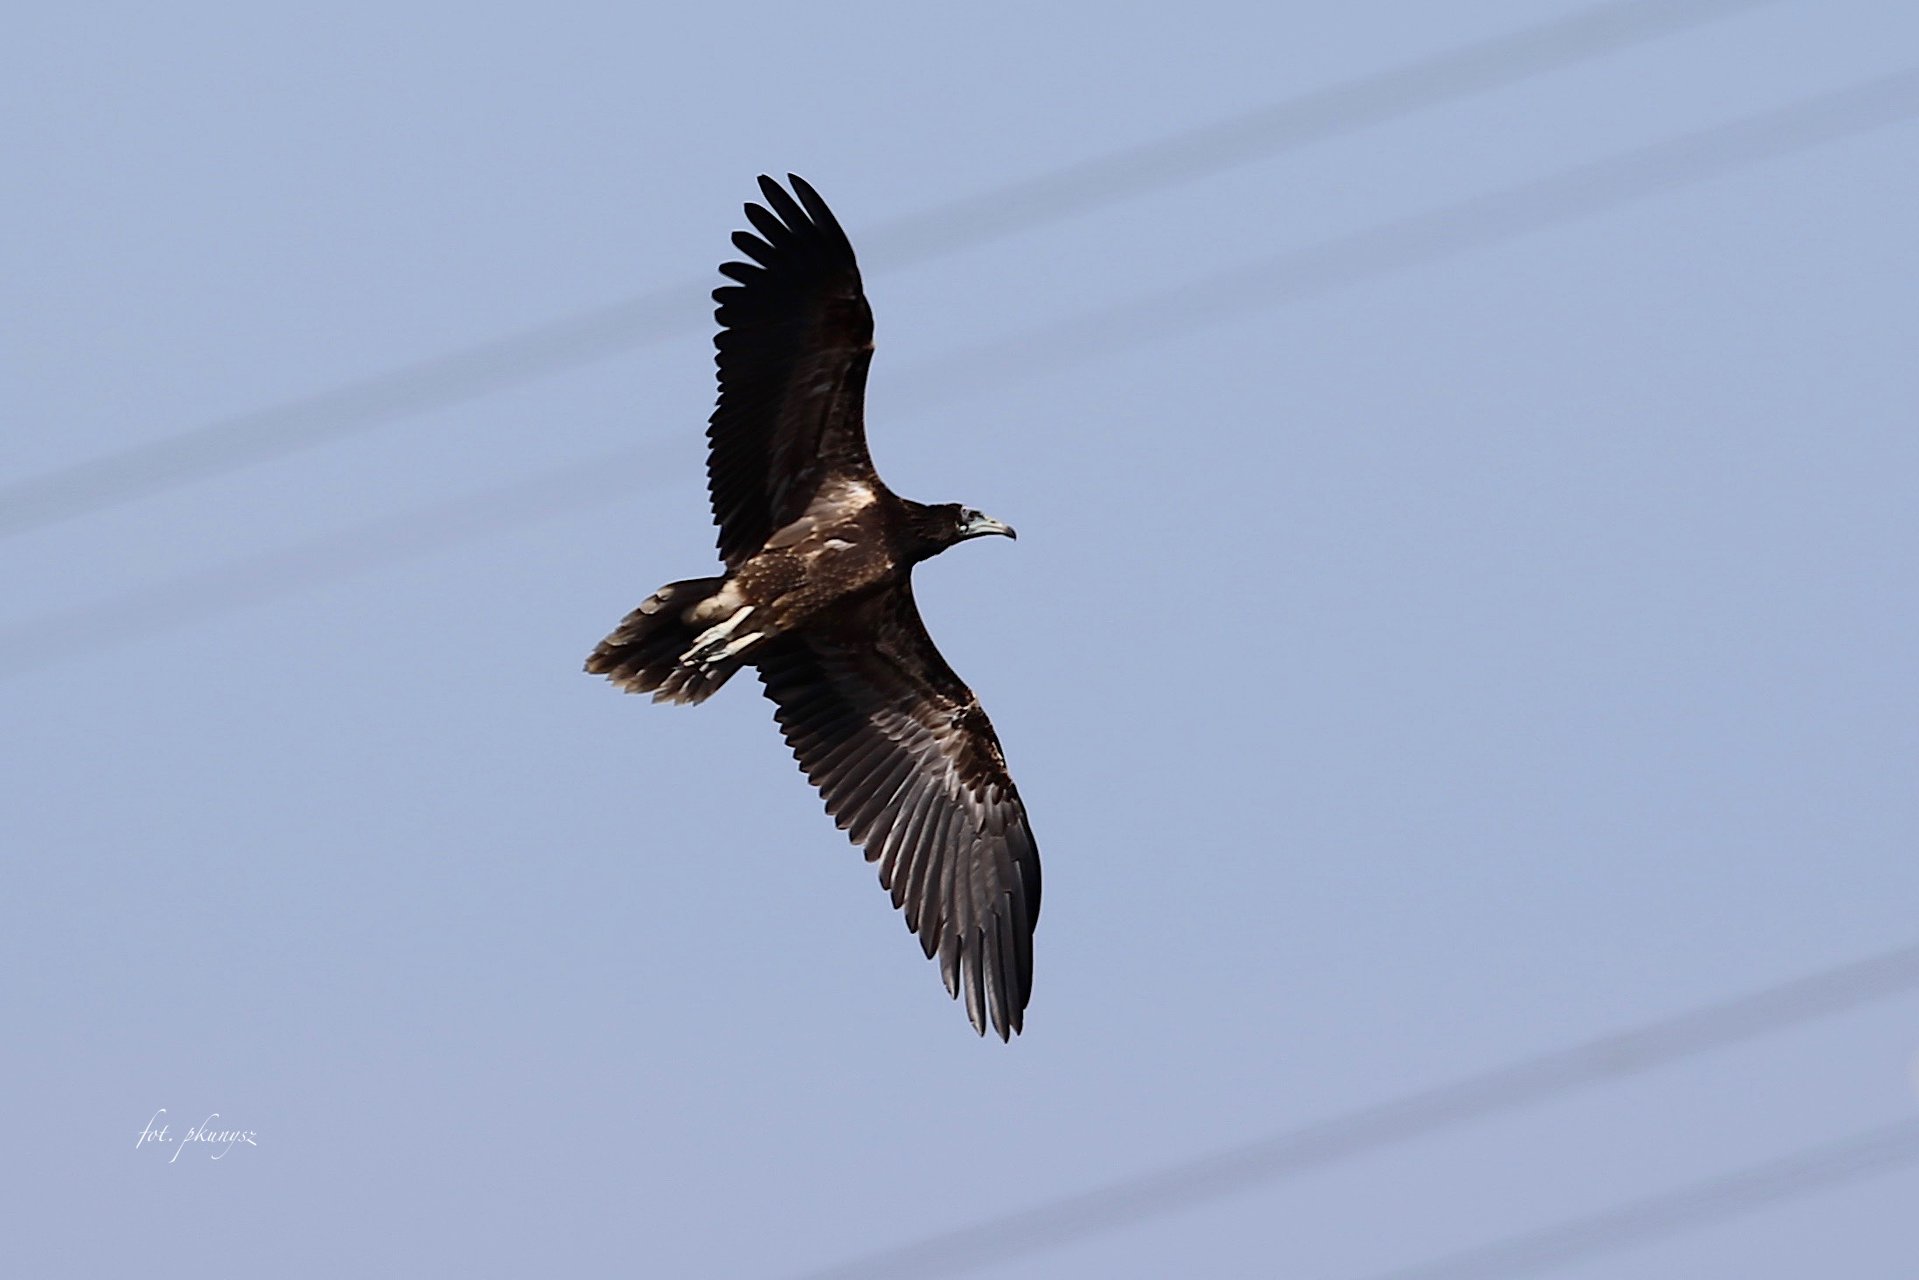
(911, 770)
(796, 336)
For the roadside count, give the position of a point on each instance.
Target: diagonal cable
(474, 371)
(210, 593)
(1173, 1188)
(1599, 186)
(1793, 1177)
(1473, 224)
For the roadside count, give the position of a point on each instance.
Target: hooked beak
(981, 525)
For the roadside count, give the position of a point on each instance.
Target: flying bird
(817, 596)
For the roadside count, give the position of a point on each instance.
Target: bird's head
(968, 523)
(941, 526)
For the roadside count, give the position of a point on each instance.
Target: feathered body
(817, 595)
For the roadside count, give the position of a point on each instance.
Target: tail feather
(643, 653)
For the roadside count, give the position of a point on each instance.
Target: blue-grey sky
(1405, 677)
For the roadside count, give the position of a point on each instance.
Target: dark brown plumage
(817, 595)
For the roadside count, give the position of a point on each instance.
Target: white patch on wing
(849, 495)
(837, 544)
(834, 503)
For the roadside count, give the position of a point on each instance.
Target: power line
(1800, 1174)
(210, 593)
(1181, 1186)
(1296, 122)
(588, 336)
(1472, 224)
(1597, 187)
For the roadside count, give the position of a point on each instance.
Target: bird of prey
(817, 595)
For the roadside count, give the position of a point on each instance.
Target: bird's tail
(646, 653)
